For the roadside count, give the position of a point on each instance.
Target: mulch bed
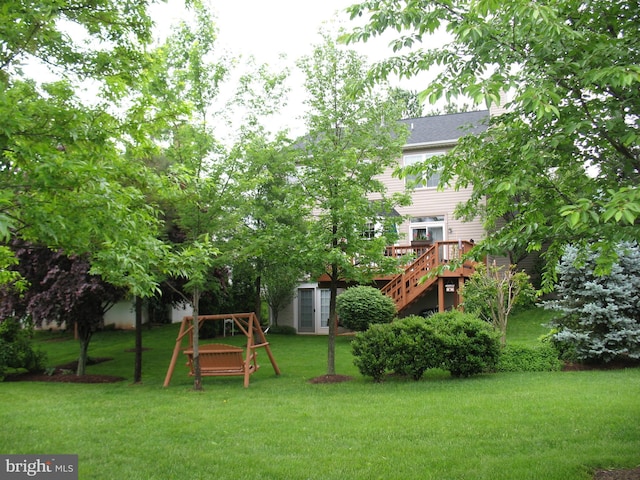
(331, 379)
(629, 474)
(66, 374)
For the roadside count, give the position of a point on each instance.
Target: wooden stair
(407, 287)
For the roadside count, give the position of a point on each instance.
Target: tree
(273, 207)
(353, 135)
(179, 93)
(275, 210)
(600, 319)
(563, 164)
(492, 292)
(279, 287)
(61, 290)
(410, 100)
(58, 155)
(64, 178)
(182, 100)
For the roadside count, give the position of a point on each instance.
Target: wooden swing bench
(217, 359)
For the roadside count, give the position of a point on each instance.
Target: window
(369, 230)
(325, 296)
(412, 180)
(430, 229)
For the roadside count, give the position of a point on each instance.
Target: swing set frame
(218, 359)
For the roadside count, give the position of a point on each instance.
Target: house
(429, 231)
(123, 316)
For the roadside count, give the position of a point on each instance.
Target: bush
(359, 307)
(282, 330)
(415, 347)
(371, 350)
(518, 358)
(470, 345)
(493, 292)
(16, 350)
(458, 342)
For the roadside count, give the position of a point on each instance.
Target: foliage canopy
(563, 163)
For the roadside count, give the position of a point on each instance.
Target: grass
(558, 425)
(526, 326)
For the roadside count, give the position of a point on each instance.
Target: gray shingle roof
(441, 128)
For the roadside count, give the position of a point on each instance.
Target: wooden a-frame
(224, 360)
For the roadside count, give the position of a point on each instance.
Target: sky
(267, 29)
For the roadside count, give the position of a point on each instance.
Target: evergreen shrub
(470, 345)
(600, 313)
(371, 350)
(460, 343)
(521, 358)
(359, 307)
(415, 347)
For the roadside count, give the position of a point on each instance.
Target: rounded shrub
(458, 342)
(470, 345)
(16, 350)
(371, 350)
(416, 347)
(359, 307)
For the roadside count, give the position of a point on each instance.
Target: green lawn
(560, 425)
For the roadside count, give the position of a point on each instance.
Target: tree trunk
(258, 301)
(84, 335)
(197, 374)
(137, 369)
(333, 294)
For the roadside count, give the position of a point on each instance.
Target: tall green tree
(563, 164)
(179, 98)
(272, 206)
(275, 212)
(64, 181)
(353, 135)
(413, 107)
(58, 153)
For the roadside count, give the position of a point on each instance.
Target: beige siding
(431, 201)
